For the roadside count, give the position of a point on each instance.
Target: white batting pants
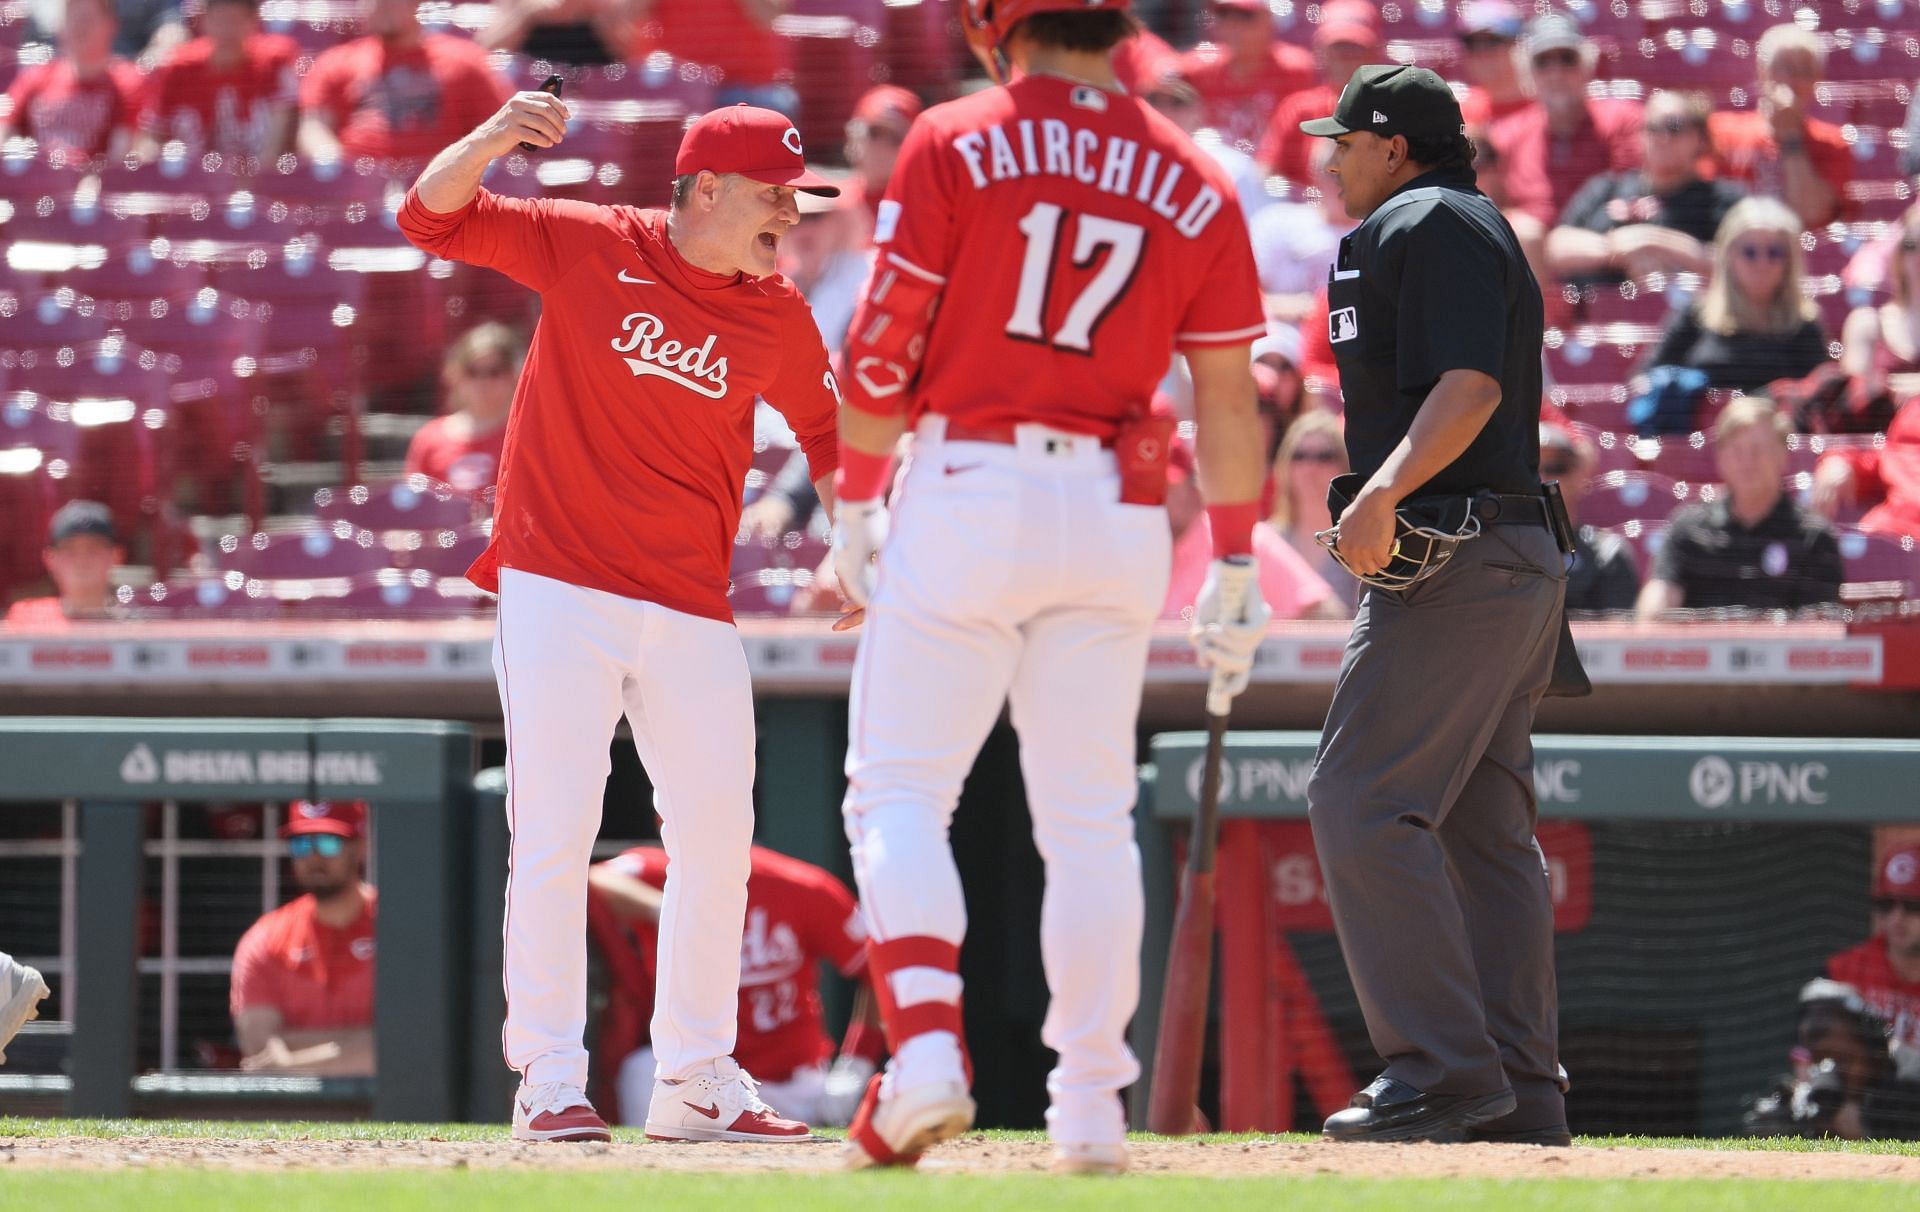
(798, 1097)
(569, 662)
(1013, 573)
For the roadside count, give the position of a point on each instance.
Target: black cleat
(1555, 1136)
(1391, 1110)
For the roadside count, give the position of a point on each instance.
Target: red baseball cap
(1899, 875)
(759, 144)
(346, 818)
(887, 104)
(1350, 21)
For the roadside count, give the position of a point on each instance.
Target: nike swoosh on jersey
(622, 275)
(712, 1112)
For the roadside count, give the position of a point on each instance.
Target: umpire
(1422, 797)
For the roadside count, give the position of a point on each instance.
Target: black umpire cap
(78, 518)
(1389, 99)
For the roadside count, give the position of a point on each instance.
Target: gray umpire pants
(1423, 812)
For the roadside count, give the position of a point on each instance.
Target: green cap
(1389, 99)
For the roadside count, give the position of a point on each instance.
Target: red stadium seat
(52, 321)
(1616, 497)
(315, 552)
(226, 595)
(445, 552)
(1879, 557)
(135, 274)
(396, 593)
(767, 575)
(415, 503)
(1643, 536)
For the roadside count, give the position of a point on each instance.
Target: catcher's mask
(1425, 534)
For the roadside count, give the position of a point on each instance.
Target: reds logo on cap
(758, 144)
(1900, 874)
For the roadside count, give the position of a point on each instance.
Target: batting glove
(846, 1086)
(859, 531)
(1229, 621)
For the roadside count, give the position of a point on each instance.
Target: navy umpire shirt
(1434, 281)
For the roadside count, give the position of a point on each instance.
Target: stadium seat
(416, 503)
(1616, 497)
(1645, 537)
(1868, 556)
(227, 595)
(135, 274)
(314, 552)
(52, 321)
(446, 552)
(394, 593)
(767, 575)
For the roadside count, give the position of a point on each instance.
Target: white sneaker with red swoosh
(721, 1105)
(556, 1111)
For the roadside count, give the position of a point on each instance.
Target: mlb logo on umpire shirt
(1343, 325)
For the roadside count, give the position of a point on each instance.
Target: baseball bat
(1173, 1106)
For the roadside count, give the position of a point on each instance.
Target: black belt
(1511, 509)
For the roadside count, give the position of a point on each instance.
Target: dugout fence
(1698, 883)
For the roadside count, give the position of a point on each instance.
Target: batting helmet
(987, 23)
(1424, 539)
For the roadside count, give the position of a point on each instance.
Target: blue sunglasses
(326, 845)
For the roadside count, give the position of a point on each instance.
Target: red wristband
(860, 476)
(1232, 527)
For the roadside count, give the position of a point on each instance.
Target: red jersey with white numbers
(1867, 968)
(632, 424)
(317, 976)
(1078, 237)
(797, 916)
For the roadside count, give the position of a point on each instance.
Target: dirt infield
(972, 1155)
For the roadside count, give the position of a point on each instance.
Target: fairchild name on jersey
(688, 365)
(1052, 148)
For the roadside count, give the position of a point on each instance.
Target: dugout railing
(417, 777)
(1698, 882)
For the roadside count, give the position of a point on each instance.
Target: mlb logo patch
(1343, 325)
(1086, 97)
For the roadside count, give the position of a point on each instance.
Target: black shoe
(1393, 1110)
(1555, 1136)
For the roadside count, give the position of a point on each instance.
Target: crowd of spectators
(1697, 239)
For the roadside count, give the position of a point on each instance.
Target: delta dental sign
(143, 766)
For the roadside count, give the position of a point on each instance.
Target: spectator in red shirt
(1880, 348)
(1776, 150)
(874, 133)
(1243, 71)
(462, 446)
(1885, 969)
(1547, 150)
(302, 995)
(1490, 35)
(798, 917)
(399, 94)
(232, 90)
(82, 102)
(82, 552)
(1347, 38)
(734, 41)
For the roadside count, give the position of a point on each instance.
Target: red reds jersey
(632, 425)
(406, 102)
(1080, 237)
(66, 113)
(316, 976)
(797, 916)
(468, 461)
(1868, 970)
(720, 35)
(223, 109)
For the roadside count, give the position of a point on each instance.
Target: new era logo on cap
(1423, 105)
(1379, 117)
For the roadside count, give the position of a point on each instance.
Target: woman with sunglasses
(1313, 452)
(1753, 324)
(462, 446)
(1881, 348)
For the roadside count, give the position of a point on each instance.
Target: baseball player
(1422, 796)
(1042, 250)
(619, 496)
(797, 917)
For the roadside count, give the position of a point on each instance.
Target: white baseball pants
(569, 662)
(1014, 573)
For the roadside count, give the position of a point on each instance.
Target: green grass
(426, 1187)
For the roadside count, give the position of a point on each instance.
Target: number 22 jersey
(1079, 237)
